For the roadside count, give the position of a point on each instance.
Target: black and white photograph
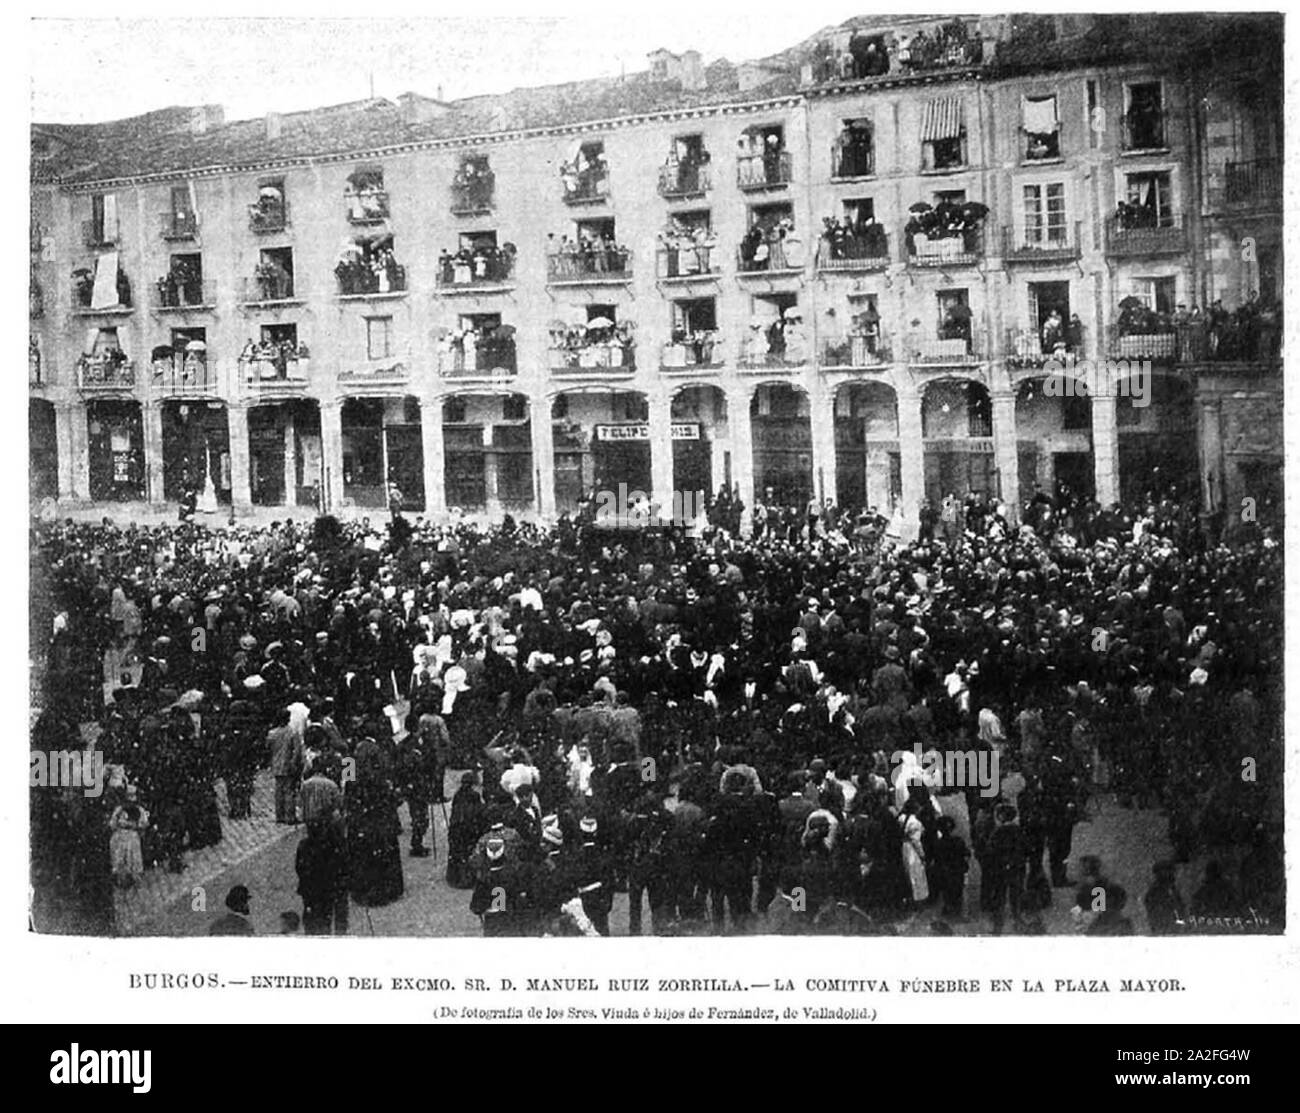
(505, 479)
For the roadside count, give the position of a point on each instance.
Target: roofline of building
(472, 140)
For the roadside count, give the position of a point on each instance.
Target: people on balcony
(474, 183)
(104, 365)
(181, 285)
(598, 343)
(591, 254)
(585, 176)
(687, 250)
(274, 282)
(1130, 217)
(944, 222)
(268, 210)
(479, 262)
(1253, 331)
(762, 158)
(690, 348)
(368, 267)
(267, 359)
(471, 349)
(844, 239)
(771, 246)
(681, 172)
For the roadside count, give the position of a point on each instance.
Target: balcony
(179, 295)
(479, 359)
(1232, 340)
(95, 235)
(362, 282)
(184, 375)
(686, 264)
(679, 181)
(1253, 183)
(268, 290)
(600, 359)
(776, 264)
(764, 171)
(366, 206)
(1025, 350)
(769, 345)
(856, 352)
(484, 272)
(1158, 347)
(1132, 235)
(964, 250)
(263, 370)
(701, 351)
(268, 216)
(378, 379)
(589, 266)
(1043, 245)
(853, 160)
(108, 372)
(953, 352)
(36, 376)
(35, 301)
(179, 226)
(83, 297)
(853, 254)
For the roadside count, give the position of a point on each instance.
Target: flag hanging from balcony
(1040, 115)
(942, 120)
(104, 294)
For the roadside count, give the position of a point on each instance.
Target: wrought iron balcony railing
(495, 358)
(1248, 183)
(963, 250)
(268, 216)
(595, 265)
(170, 293)
(106, 371)
(684, 179)
(1132, 235)
(773, 170)
(95, 234)
(686, 262)
(954, 351)
(179, 226)
(698, 351)
(856, 351)
(853, 255)
(457, 272)
(366, 206)
(266, 290)
(184, 373)
(1044, 243)
(853, 160)
(364, 282)
(594, 358)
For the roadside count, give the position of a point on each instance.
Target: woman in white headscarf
(913, 854)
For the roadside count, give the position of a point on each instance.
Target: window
(762, 158)
(183, 337)
(979, 412)
(769, 216)
(269, 213)
(585, 173)
(955, 197)
(1045, 222)
(454, 411)
(855, 151)
(1042, 128)
(1144, 116)
(183, 284)
(1150, 200)
(943, 134)
(1096, 116)
(280, 334)
(1157, 294)
(859, 211)
(367, 202)
(954, 315)
(629, 406)
(693, 316)
(596, 229)
(514, 408)
(379, 337)
(275, 274)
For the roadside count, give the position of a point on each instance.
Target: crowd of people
(735, 731)
(481, 261)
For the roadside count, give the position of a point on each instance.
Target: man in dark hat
(235, 921)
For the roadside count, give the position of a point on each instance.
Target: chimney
(273, 125)
(438, 91)
(416, 109)
(693, 77)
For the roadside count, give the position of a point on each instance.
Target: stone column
(1006, 451)
(290, 461)
(331, 447)
(241, 496)
(912, 456)
(821, 417)
(151, 418)
(543, 442)
(431, 447)
(661, 452)
(72, 469)
(742, 451)
(1105, 444)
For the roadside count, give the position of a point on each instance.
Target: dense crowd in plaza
(735, 731)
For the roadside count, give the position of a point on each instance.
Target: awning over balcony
(942, 119)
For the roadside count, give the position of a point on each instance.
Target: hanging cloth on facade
(1040, 115)
(942, 120)
(110, 218)
(104, 295)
